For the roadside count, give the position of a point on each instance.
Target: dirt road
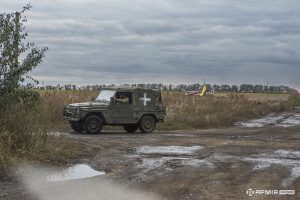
(200, 164)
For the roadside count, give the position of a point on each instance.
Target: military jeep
(131, 108)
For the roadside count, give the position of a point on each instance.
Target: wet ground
(277, 120)
(261, 154)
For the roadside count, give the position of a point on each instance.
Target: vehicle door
(122, 110)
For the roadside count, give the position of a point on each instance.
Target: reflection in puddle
(34, 185)
(75, 172)
(170, 150)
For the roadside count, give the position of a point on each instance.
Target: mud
(278, 120)
(198, 164)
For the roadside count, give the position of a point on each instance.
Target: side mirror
(93, 99)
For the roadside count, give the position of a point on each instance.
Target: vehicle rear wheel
(93, 124)
(147, 124)
(131, 128)
(77, 126)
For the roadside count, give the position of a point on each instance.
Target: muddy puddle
(44, 183)
(169, 163)
(78, 171)
(165, 158)
(258, 137)
(275, 120)
(170, 150)
(169, 157)
(288, 159)
(178, 135)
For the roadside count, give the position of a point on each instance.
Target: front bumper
(71, 114)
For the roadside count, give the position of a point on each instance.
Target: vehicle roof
(127, 88)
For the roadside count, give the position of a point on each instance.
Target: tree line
(243, 88)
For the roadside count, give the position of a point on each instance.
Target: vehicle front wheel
(131, 128)
(77, 126)
(147, 124)
(93, 124)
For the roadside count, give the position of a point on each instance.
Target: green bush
(22, 135)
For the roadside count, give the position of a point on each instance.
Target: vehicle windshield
(105, 95)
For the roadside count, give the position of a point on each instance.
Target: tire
(131, 128)
(93, 124)
(77, 126)
(147, 124)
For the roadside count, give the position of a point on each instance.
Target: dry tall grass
(23, 135)
(215, 110)
(184, 112)
(52, 103)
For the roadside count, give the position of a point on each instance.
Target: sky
(165, 41)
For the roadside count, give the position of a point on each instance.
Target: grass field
(184, 112)
(24, 130)
(218, 110)
(264, 97)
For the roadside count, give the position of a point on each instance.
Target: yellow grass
(215, 110)
(183, 112)
(265, 97)
(53, 102)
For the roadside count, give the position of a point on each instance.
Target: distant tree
(266, 88)
(225, 88)
(170, 87)
(258, 88)
(283, 89)
(272, 89)
(141, 85)
(246, 88)
(216, 88)
(208, 87)
(234, 88)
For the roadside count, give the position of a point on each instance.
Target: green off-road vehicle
(131, 108)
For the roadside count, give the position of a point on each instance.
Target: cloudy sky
(165, 41)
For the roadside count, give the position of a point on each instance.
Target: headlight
(77, 112)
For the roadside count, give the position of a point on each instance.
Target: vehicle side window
(124, 97)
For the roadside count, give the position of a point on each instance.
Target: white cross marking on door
(145, 99)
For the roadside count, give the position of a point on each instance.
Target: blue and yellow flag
(203, 90)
